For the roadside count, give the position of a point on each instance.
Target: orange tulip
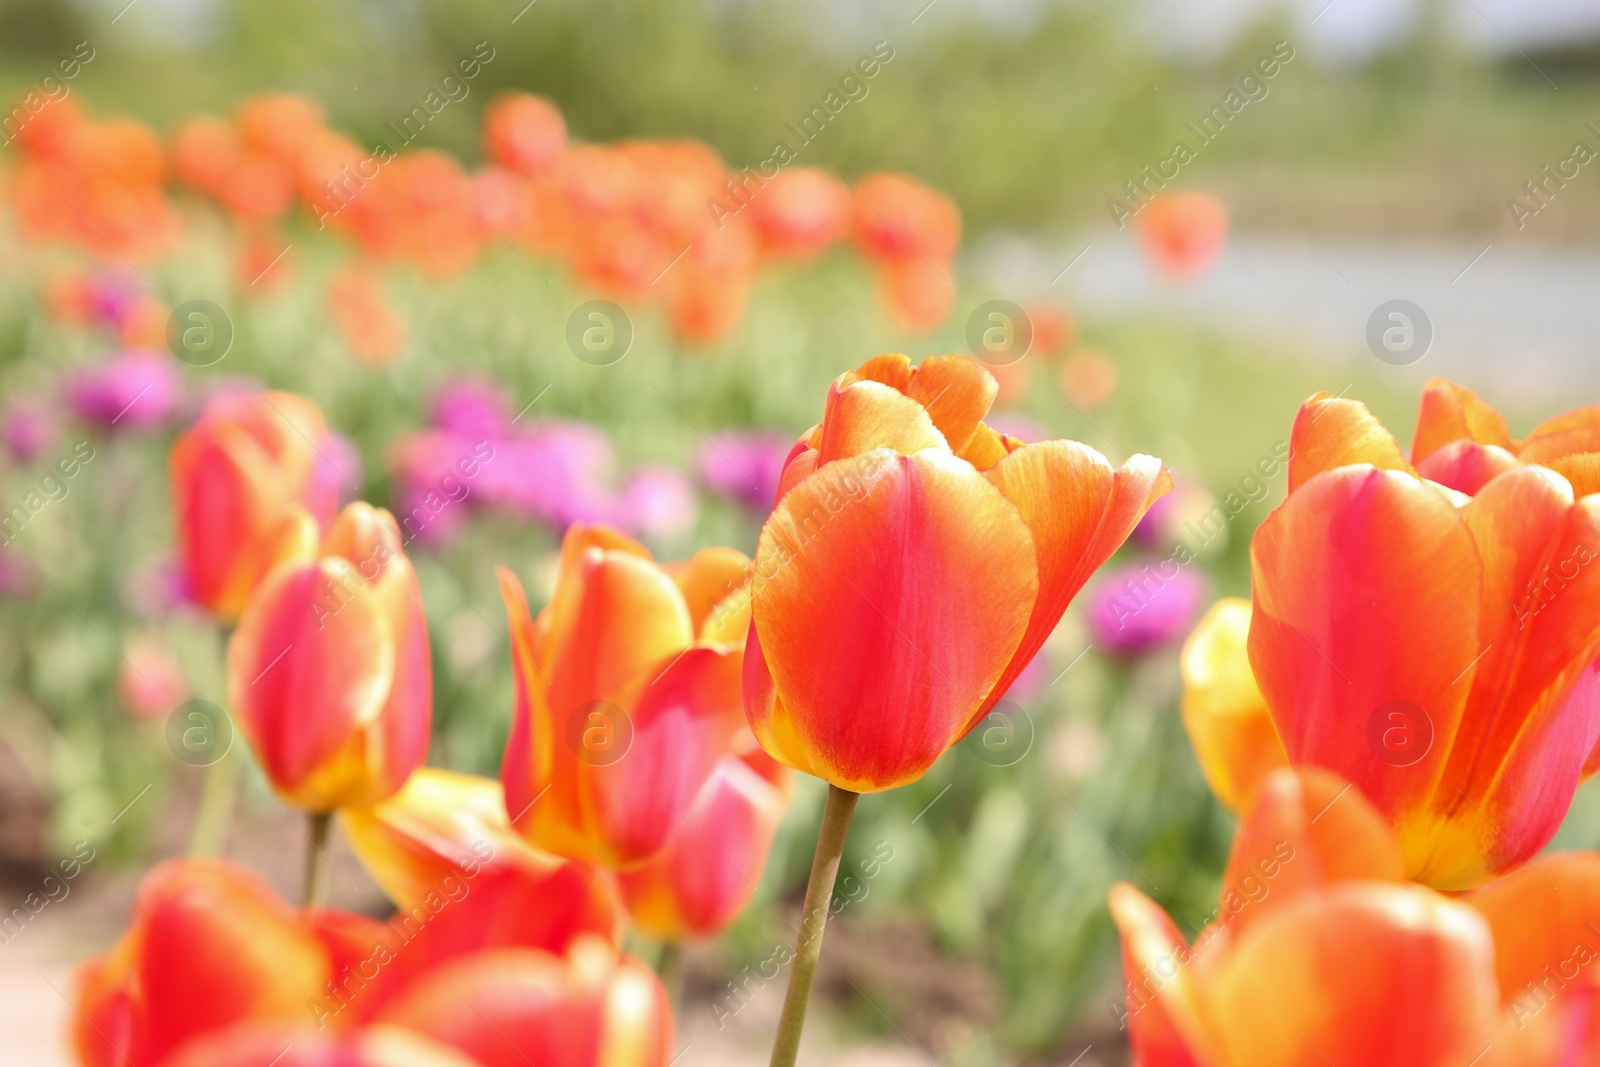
(512, 1008)
(444, 830)
(524, 133)
(246, 493)
(914, 565)
(1544, 920)
(1183, 233)
(800, 212)
(1226, 716)
(210, 945)
(1432, 647)
(627, 695)
(374, 331)
(707, 873)
(897, 217)
(256, 1044)
(1319, 953)
(329, 670)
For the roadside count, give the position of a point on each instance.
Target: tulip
(245, 493)
(150, 682)
(590, 1008)
(915, 563)
(801, 212)
(1225, 714)
(1139, 608)
(1432, 647)
(27, 428)
(912, 568)
(1318, 954)
(135, 390)
(443, 830)
(660, 502)
(374, 331)
(1183, 233)
(707, 873)
(1543, 921)
(257, 1044)
(627, 694)
(210, 945)
(329, 670)
(524, 133)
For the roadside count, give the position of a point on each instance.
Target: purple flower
(27, 428)
(337, 469)
(1141, 607)
(137, 389)
(476, 409)
(661, 502)
(744, 465)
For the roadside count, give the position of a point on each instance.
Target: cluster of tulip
(914, 562)
(636, 220)
(1402, 715)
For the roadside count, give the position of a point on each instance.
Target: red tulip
(801, 212)
(1435, 648)
(707, 873)
(524, 133)
(913, 566)
(329, 670)
(627, 694)
(245, 493)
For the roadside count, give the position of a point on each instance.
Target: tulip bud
(1227, 719)
(329, 670)
(245, 493)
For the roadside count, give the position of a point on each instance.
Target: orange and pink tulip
(627, 695)
(1436, 648)
(330, 675)
(246, 495)
(914, 565)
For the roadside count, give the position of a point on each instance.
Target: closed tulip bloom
(329, 670)
(627, 695)
(1432, 647)
(209, 946)
(245, 493)
(1228, 721)
(707, 873)
(286, 1044)
(524, 133)
(1318, 954)
(589, 1008)
(801, 212)
(914, 565)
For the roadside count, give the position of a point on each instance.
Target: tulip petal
(1581, 469)
(1224, 713)
(1308, 829)
(1080, 510)
(1451, 413)
(866, 416)
(1544, 918)
(1366, 598)
(1165, 997)
(1466, 466)
(310, 669)
(1360, 973)
(957, 393)
(1528, 726)
(893, 604)
(1566, 434)
(1332, 432)
(707, 579)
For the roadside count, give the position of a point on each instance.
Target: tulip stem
(316, 886)
(669, 967)
(216, 807)
(814, 918)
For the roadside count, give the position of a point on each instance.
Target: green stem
(216, 807)
(814, 919)
(316, 886)
(669, 967)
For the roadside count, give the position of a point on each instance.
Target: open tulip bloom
(1427, 627)
(913, 565)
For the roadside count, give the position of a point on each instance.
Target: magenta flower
(744, 465)
(134, 390)
(27, 427)
(475, 409)
(1141, 607)
(660, 502)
